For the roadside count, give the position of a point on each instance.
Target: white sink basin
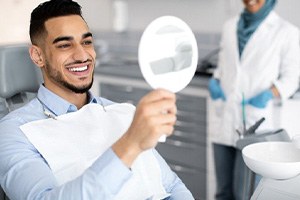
(276, 160)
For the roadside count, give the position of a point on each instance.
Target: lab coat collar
(56, 104)
(270, 21)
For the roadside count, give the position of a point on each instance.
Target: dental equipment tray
(278, 135)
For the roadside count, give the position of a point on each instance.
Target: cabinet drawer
(198, 136)
(122, 93)
(185, 114)
(191, 103)
(188, 153)
(191, 121)
(199, 128)
(123, 89)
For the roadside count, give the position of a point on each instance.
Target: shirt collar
(56, 104)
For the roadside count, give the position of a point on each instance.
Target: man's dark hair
(48, 10)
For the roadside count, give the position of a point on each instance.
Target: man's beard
(73, 88)
(56, 76)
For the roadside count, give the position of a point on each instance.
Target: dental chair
(19, 81)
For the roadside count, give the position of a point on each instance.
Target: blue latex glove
(260, 100)
(215, 89)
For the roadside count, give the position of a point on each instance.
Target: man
(62, 46)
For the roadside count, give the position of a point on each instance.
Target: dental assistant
(260, 59)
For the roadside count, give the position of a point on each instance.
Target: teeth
(78, 69)
(252, 2)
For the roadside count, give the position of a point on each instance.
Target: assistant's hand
(260, 100)
(155, 116)
(215, 89)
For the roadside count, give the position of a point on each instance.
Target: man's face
(69, 54)
(254, 6)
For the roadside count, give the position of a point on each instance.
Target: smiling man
(66, 57)
(90, 148)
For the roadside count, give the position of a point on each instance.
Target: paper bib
(75, 140)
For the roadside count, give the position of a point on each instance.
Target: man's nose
(80, 53)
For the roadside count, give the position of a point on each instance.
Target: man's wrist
(275, 92)
(125, 151)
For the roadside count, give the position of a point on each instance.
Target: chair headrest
(17, 71)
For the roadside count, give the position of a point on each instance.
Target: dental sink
(276, 160)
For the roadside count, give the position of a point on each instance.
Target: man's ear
(36, 55)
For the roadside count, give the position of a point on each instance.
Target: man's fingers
(157, 95)
(167, 130)
(164, 119)
(163, 106)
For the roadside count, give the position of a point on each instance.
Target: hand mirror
(168, 54)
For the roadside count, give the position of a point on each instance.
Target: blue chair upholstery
(19, 81)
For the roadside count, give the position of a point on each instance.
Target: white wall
(201, 15)
(14, 20)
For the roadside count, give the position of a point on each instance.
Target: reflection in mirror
(181, 59)
(168, 54)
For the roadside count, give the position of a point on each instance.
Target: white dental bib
(75, 140)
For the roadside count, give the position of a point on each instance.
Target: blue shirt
(25, 174)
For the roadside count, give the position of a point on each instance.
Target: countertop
(133, 71)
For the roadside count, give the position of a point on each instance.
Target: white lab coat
(271, 56)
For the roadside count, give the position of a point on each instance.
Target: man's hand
(155, 116)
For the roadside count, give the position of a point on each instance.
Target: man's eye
(88, 42)
(63, 46)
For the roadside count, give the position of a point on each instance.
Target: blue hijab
(249, 22)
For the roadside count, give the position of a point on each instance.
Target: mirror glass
(168, 54)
